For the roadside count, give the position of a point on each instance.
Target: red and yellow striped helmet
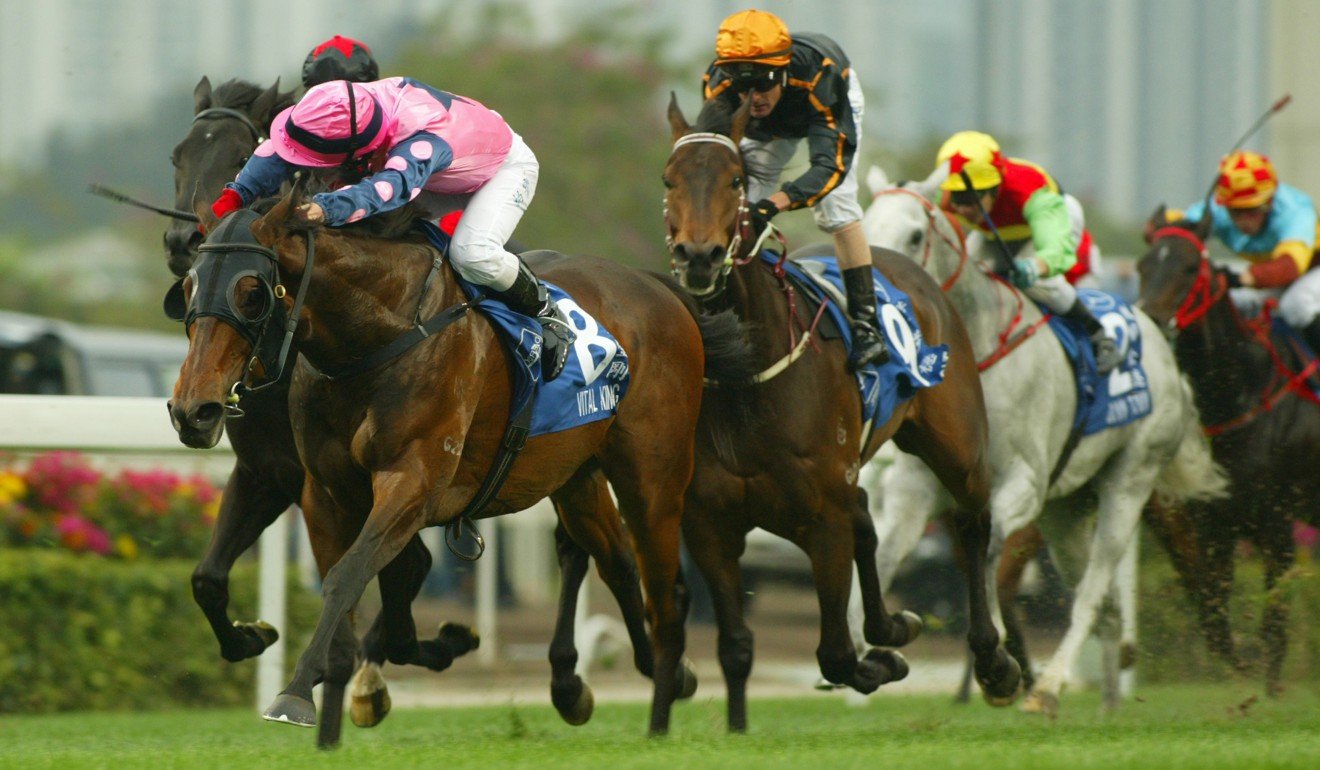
(976, 153)
(1246, 180)
(753, 36)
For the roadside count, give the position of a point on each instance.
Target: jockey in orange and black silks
(801, 86)
(1040, 226)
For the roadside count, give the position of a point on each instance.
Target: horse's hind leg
(249, 504)
(571, 696)
(716, 544)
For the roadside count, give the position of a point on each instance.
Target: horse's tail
(730, 357)
(1192, 474)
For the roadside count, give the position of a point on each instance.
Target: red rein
(1207, 290)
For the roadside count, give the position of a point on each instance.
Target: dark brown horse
(268, 475)
(783, 453)
(1249, 382)
(407, 444)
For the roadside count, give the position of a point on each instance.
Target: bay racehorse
(407, 442)
(782, 452)
(1254, 388)
(1031, 401)
(229, 121)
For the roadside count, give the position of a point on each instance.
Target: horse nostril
(206, 415)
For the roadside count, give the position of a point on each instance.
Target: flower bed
(59, 500)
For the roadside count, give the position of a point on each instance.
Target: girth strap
(515, 438)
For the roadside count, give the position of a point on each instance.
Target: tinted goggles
(754, 78)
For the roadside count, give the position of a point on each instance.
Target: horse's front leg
(395, 517)
(1279, 553)
(249, 504)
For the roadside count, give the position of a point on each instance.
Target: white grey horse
(1031, 400)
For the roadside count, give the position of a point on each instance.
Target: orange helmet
(976, 153)
(1246, 180)
(753, 36)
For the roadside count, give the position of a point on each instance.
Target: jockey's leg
(1060, 297)
(854, 254)
(478, 252)
(1300, 307)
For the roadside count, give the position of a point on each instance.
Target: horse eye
(668, 184)
(737, 183)
(915, 240)
(1192, 268)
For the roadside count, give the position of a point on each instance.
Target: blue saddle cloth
(1121, 396)
(912, 363)
(595, 376)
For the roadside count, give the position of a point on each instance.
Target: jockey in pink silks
(411, 138)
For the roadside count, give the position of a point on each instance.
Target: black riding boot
(1106, 350)
(529, 296)
(868, 344)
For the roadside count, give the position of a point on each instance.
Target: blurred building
(1128, 102)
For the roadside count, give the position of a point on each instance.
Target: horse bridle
(931, 230)
(231, 252)
(742, 222)
(212, 113)
(1205, 290)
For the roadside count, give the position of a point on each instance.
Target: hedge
(83, 632)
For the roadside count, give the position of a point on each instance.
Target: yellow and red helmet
(753, 36)
(1246, 180)
(975, 153)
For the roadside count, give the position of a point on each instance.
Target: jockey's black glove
(761, 213)
(1233, 278)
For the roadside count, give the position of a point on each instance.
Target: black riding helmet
(339, 58)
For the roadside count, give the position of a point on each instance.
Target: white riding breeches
(766, 161)
(1054, 292)
(488, 221)
(1299, 302)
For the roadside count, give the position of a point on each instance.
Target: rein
(1008, 340)
(1210, 288)
(742, 231)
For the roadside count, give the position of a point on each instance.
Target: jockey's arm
(1051, 231)
(262, 175)
(407, 167)
(831, 141)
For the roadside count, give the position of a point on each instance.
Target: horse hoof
(1041, 702)
(687, 680)
(894, 665)
(1127, 656)
(291, 710)
(912, 625)
(253, 639)
(459, 639)
(577, 709)
(370, 702)
(1002, 686)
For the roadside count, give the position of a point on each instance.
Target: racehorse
(407, 441)
(782, 452)
(1253, 387)
(1031, 400)
(268, 474)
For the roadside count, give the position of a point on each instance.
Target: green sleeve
(1051, 230)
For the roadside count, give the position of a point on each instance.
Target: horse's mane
(716, 117)
(239, 94)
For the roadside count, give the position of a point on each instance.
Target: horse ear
(740, 118)
(202, 95)
(678, 125)
(1204, 225)
(876, 179)
(1158, 218)
(263, 107)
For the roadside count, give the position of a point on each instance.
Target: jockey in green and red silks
(1041, 228)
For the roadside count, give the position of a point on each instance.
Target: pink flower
(79, 534)
(1305, 535)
